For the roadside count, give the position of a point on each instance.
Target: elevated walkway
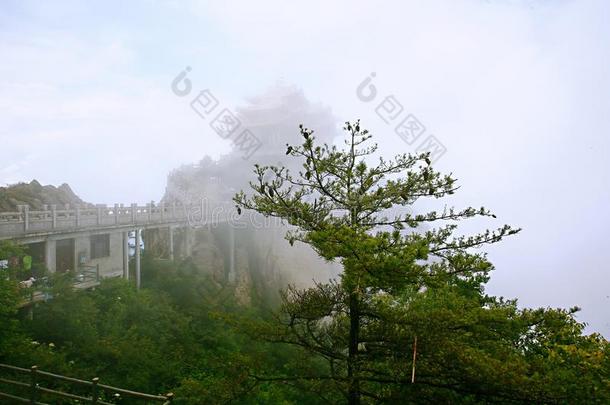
(32, 226)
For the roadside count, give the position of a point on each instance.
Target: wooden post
(94, 390)
(33, 385)
(414, 355)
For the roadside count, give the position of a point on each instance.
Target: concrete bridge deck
(69, 238)
(29, 226)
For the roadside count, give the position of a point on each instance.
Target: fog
(516, 92)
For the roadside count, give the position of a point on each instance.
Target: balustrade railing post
(33, 385)
(54, 215)
(162, 206)
(94, 390)
(117, 212)
(133, 213)
(99, 215)
(77, 213)
(149, 207)
(173, 209)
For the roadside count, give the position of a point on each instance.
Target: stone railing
(53, 218)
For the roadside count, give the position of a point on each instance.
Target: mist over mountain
(273, 117)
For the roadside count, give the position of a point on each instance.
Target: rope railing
(32, 391)
(87, 273)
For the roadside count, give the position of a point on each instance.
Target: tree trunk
(353, 393)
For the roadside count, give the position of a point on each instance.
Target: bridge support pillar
(138, 242)
(232, 276)
(171, 243)
(188, 241)
(50, 255)
(126, 255)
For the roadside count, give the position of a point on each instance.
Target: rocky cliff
(264, 262)
(36, 195)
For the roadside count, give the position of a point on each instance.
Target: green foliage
(10, 296)
(407, 322)
(168, 336)
(408, 277)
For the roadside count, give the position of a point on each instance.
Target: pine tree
(338, 205)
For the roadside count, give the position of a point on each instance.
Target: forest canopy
(408, 320)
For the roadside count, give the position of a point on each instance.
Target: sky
(517, 92)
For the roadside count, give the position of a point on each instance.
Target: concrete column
(26, 218)
(188, 239)
(50, 250)
(75, 255)
(231, 254)
(126, 255)
(171, 243)
(138, 241)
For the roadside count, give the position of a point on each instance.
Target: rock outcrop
(263, 262)
(36, 195)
